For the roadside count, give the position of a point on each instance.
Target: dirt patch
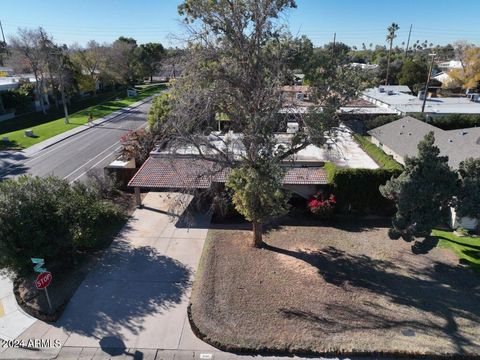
(66, 281)
(345, 288)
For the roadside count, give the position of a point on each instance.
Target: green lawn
(30, 119)
(467, 248)
(377, 154)
(47, 130)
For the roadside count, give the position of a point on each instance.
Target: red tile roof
(305, 176)
(197, 173)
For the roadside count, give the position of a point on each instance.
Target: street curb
(82, 128)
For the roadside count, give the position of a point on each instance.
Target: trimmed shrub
(51, 219)
(357, 190)
(377, 154)
(452, 121)
(379, 121)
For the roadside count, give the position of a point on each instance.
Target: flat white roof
(406, 103)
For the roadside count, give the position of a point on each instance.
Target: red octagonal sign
(43, 280)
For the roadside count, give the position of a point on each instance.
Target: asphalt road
(72, 158)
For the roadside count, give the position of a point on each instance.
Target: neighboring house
(464, 222)
(400, 139)
(397, 99)
(298, 98)
(444, 78)
(403, 89)
(7, 82)
(449, 65)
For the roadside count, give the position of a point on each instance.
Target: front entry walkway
(137, 296)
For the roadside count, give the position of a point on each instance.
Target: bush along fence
(357, 190)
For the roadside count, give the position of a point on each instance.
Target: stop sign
(43, 280)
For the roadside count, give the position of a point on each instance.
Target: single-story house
(185, 168)
(400, 139)
(189, 167)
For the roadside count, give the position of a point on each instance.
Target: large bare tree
(91, 60)
(28, 48)
(235, 64)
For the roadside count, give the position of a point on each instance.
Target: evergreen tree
(468, 197)
(421, 193)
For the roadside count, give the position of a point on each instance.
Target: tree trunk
(388, 62)
(94, 78)
(65, 109)
(2, 108)
(257, 228)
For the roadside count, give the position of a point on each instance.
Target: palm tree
(392, 29)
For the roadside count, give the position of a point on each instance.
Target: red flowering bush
(322, 207)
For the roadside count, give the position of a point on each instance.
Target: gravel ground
(339, 289)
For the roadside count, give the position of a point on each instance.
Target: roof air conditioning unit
(299, 96)
(390, 92)
(381, 89)
(292, 127)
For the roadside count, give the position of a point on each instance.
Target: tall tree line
(60, 70)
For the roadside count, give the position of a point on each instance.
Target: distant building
(450, 65)
(398, 99)
(400, 139)
(298, 78)
(298, 98)
(5, 71)
(371, 67)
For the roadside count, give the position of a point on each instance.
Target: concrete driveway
(137, 296)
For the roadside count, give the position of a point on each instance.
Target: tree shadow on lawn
(440, 290)
(129, 284)
(343, 222)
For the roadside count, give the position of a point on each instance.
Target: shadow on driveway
(128, 284)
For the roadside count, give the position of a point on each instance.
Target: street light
(425, 92)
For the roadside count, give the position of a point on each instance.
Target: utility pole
(3, 49)
(3, 35)
(408, 41)
(428, 81)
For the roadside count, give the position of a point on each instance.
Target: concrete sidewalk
(13, 320)
(136, 297)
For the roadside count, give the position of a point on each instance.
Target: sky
(354, 21)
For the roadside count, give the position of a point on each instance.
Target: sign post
(44, 278)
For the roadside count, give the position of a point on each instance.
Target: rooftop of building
(406, 103)
(402, 137)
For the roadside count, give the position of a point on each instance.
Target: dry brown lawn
(336, 289)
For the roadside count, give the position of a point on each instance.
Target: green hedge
(452, 121)
(380, 121)
(357, 190)
(446, 122)
(377, 154)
